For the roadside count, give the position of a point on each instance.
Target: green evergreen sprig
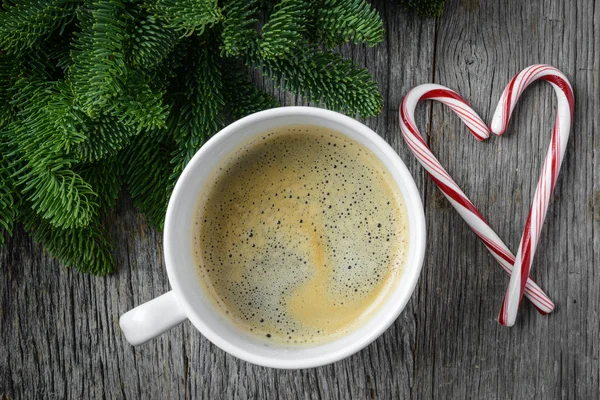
(25, 23)
(340, 21)
(98, 70)
(201, 111)
(240, 94)
(147, 168)
(87, 249)
(285, 29)
(42, 139)
(149, 40)
(325, 77)
(8, 201)
(101, 95)
(188, 16)
(239, 26)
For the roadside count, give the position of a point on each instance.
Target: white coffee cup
(188, 299)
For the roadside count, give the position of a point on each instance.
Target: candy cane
(447, 185)
(550, 169)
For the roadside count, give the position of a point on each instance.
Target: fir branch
(189, 16)
(339, 21)
(26, 22)
(239, 26)
(99, 71)
(200, 116)
(105, 135)
(7, 207)
(147, 167)
(40, 141)
(56, 193)
(46, 111)
(324, 77)
(283, 33)
(106, 178)
(121, 96)
(58, 48)
(8, 195)
(35, 66)
(87, 249)
(149, 41)
(159, 77)
(240, 94)
(125, 116)
(9, 69)
(138, 106)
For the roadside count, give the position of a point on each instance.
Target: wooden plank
(59, 329)
(461, 351)
(59, 335)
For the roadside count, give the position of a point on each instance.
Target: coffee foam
(300, 235)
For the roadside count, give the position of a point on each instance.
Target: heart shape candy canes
(520, 283)
(548, 177)
(449, 188)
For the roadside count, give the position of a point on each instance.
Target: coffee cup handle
(151, 319)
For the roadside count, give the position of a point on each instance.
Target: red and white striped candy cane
(550, 169)
(447, 185)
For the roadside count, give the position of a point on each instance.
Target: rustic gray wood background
(59, 333)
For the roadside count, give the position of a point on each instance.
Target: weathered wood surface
(59, 334)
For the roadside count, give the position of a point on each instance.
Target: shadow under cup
(179, 256)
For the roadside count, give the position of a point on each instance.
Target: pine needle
(239, 30)
(87, 249)
(325, 77)
(99, 71)
(283, 34)
(147, 167)
(188, 16)
(97, 95)
(240, 94)
(25, 23)
(340, 21)
(201, 114)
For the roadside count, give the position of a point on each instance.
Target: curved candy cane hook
(548, 177)
(447, 185)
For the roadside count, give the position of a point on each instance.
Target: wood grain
(478, 50)
(59, 334)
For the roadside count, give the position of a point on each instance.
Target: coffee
(300, 235)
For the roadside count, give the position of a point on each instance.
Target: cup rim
(411, 274)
